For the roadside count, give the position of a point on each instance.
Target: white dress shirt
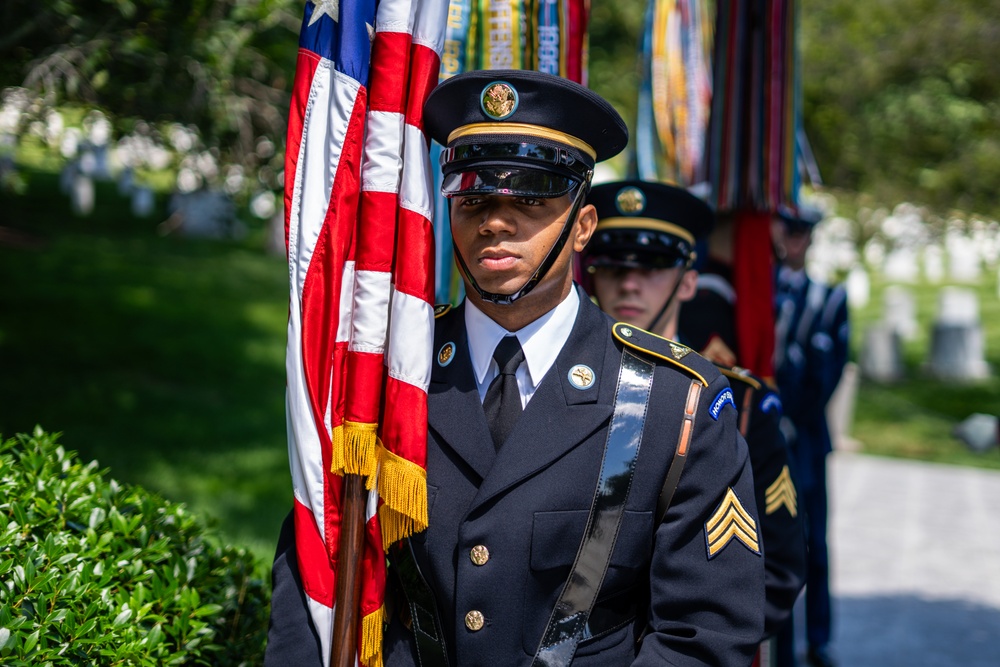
(541, 341)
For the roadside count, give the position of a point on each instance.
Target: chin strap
(543, 268)
(670, 300)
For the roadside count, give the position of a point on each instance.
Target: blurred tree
(902, 100)
(221, 65)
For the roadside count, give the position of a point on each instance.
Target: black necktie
(503, 400)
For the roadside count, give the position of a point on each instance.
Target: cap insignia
(499, 100)
(630, 200)
(731, 521)
(446, 354)
(581, 377)
(781, 493)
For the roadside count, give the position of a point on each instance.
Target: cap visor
(507, 181)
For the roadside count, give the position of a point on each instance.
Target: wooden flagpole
(348, 593)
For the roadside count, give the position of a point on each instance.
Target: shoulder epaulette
(670, 351)
(441, 309)
(740, 374)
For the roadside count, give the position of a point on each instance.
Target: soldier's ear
(586, 223)
(688, 286)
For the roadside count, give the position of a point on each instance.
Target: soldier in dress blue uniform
(568, 522)
(639, 264)
(811, 343)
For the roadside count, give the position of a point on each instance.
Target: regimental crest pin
(499, 100)
(446, 354)
(781, 493)
(441, 309)
(730, 522)
(630, 201)
(679, 351)
(581, 377)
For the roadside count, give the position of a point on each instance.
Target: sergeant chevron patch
(770, 403)
(730, 521)
(781, 493)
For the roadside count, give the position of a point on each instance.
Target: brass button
(474, 620)
(479, 554)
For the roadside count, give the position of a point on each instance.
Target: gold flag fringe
(337, 455)
(360, 449)
(402, 484)
(371, 638)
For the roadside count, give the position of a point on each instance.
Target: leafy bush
(97, 572)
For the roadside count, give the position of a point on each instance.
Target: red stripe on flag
(389, 72)
(415, 256)
(313, 561)
(407, 429)
(375, 241)
(365, 370)
(424, 66)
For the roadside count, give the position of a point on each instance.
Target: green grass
(913, 418)
(161, 357)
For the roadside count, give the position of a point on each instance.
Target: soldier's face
(637, 296)
(504, 239)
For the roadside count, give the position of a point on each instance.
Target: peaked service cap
(520, 132)
(644, 224)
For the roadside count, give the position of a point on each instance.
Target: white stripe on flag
(380, 172)
(346, 304)
(411, 340)
(327, 116)
(371, 303)
(416, 190)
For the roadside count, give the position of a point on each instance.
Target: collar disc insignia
(446, 354)
(581, 377)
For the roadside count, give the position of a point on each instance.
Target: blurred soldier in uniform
(640, 266)
(811, 339)
(569, 522)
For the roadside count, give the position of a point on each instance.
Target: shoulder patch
(740, 375)
(771, 403)
(730, 521)
(656, 346)
(441, 309)
(724, 398)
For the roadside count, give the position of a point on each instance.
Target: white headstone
(963, 258)
(900, 311)
(881, 355)
(901, 265)
(958, 305)
(205, 213)
(143, 201)
(934, 264)
(957, 345)
(67, 176)
(81, 195)
(126, 181)
(858, 286)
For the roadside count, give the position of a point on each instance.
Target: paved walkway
(915, 557)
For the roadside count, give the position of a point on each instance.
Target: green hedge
(93, 572)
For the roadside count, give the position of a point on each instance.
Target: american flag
(358, 210)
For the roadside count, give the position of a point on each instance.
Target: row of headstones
(957, 349)
(202, 213)
(78, 176)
